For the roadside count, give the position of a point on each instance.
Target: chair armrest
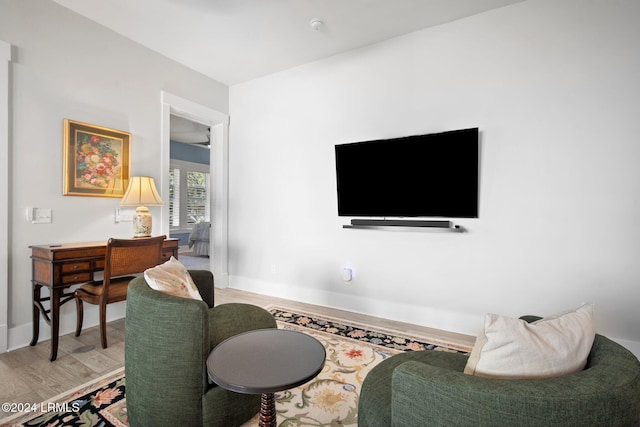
(204, 282)
(594, 397)
(445, 397)
(227, 320)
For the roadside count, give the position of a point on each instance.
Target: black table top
(265, 361)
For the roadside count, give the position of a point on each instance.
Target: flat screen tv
(432, 175)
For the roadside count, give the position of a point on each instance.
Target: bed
(199, 238)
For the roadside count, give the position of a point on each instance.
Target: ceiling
(233, 41)
(184, 130)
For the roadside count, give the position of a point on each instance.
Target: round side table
(265, 361)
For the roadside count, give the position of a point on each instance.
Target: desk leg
(36, 314)
(267, 410)
(55, 321)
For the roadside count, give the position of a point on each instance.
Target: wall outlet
(347, 275)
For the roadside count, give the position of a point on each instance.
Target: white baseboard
(221, 280)
(445, 320)
(418, 315)
(20, 336)
(4, 332)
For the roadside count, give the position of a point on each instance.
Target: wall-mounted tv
(432, 175)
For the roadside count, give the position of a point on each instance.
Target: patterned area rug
(331, 399)
(100, 402)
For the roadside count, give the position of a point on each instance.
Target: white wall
(65, 66)
(553, 87)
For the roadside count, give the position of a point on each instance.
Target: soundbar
(369, 223)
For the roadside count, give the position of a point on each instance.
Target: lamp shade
(141, 192)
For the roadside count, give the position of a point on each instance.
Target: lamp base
(142, 222)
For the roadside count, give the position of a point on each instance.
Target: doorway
(217, 126)
(190, 191)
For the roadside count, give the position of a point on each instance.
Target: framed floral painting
(96, 160)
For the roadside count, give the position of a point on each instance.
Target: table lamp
(141, 193)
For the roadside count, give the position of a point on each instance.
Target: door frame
(219, 164)
(5, 201)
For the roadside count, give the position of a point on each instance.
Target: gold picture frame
(96, 160)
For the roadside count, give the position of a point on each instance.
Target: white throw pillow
(553, 346)
(172, 278)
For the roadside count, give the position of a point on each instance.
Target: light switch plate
(124, 215)
(41, 216)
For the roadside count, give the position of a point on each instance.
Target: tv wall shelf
(380, 223)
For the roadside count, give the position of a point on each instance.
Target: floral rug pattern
(330, 399)
(99, 403)
(389, 340)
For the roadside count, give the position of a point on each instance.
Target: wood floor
(27, 376)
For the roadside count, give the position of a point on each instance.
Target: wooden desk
(60, 266)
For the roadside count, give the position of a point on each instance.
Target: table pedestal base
(267, 410)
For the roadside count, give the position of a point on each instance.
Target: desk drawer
(76, 266)
(70, 279)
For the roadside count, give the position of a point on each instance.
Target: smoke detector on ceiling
(316, 24)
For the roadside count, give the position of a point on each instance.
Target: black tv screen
(433, 175)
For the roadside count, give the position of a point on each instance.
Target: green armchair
(167, 341)
(429, 388)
